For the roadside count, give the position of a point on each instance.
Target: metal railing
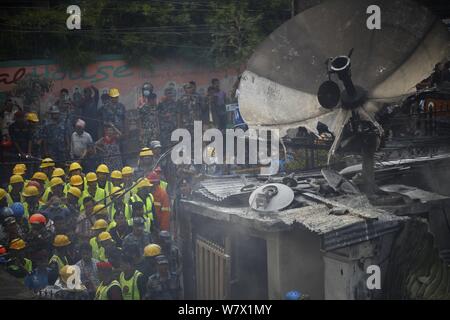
(212, 270)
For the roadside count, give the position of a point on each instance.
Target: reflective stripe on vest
(147, 206)
(130, 291)
(97, 251)
(112, 212)
(28, 265)
(102, 290)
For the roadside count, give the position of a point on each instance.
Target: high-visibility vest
(127, 196)
(9, 200)
(28, 265)
(130, 290)
(47, 192)
(99, 197)
(108, 187)
(148, 204)
(26, 210)
(102, 290)
(112, 212)
(98, 252)
(59, 261)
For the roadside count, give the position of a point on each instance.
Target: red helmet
(38, 219)
(153, 177)
(3, 250)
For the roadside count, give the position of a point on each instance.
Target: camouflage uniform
(167, 114)
(114, 113)
(158, 289)
(148, 115)
(55, 136)
(190, 108)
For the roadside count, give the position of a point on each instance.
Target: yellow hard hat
(32, 116)
(61, 240)
(2, 193)
(116, 174)
(104, 236)
(99, 209)
(91, 177)
(40, 176)
(15, 179)
(76, 180)
(74, 166)
(17, 244)
(114, 92)
(47, 162)
(117, 191)
(127, 171)
(103, 168)
(30, 191)
(58, 172)
(18, 170)
(75, 192)
(145, 152)
(144, 183)
(100, 224)
(56, 181)
(152, 250)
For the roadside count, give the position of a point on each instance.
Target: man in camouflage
(148, 116)
(167, 115)
(55, 136)
(190, 108)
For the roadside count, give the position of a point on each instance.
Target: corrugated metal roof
(358, 225)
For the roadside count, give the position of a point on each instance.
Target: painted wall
(111, 71)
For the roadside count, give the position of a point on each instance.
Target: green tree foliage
(217, 32)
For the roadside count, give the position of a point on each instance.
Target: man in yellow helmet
(98, 252)
(102, 178)
(42, 178)
(35, 143)
(145, 162)
(116, 178)
(77, 181)
(20, 266)
(128, 181)
(5, 199)
(60, 173)
(15, 188)
(47, 166)
(73, 198)
(31, 197)
(93, 190)
(56, 188)
(75, 169)
(59, 259)
(143, 195)
(119, 206)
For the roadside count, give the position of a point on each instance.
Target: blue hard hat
(293, 295)
(18, 210)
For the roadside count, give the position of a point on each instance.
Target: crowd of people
(93, 129)
(114, 225)
(78, 222)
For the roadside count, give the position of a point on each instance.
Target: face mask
(146, 93)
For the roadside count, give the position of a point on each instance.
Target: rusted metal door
(212, 270)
